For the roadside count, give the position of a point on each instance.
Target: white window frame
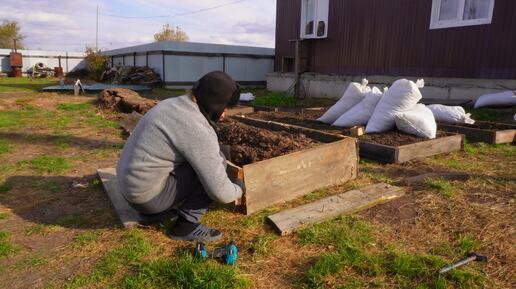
(321, 14)
(435, 23)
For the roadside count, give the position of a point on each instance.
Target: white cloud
(70, 25)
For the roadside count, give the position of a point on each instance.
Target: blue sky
(70, 25)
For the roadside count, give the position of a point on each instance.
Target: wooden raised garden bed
(484, 131)
(390, 147)
(327, 160)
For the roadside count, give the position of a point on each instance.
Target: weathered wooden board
(377, 152)
(290, 176)
(455, 176)
(482, 135)
(428, 148)
(290, 220)
(130, 121)
(128, 216)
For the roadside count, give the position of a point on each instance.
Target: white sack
(401, 96)
(506, 98)
(247, 96)
(417, 121)
(450, 114)
(360, 113)
(353, 95)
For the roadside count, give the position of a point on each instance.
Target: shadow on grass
(55, 139)
(35, 87)
(71, 202)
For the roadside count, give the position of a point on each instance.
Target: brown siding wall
(392, 37)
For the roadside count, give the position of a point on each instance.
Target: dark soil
(308, 119)
(486, 125)
(305, 119)
(251, 144)
(396, 138)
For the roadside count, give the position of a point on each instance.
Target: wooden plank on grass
(128, 216)
(290, 220)
(130, 121)
(290, 176)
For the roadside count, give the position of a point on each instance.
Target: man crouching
(173, 158)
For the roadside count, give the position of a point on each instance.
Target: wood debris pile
(125, 100)
(142, 75)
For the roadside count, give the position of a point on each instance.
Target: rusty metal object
(58, 72)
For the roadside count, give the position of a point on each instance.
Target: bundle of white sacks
(397, 106)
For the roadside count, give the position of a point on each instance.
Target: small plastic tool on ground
(228, 253)
(469, 258)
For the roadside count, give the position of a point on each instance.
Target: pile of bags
(398, 106)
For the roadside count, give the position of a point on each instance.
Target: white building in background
(180, 64)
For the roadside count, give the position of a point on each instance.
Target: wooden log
(453, 176)
(290, 220)
(483, 135)
(290, 176)
(130, 121)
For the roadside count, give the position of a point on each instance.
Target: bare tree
(10, 30)
(170, 33)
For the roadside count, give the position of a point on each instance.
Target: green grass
(86, 238)
(24, 84)
(261, 245)
(5, 146)
(349, 243)
(275, 99)
(47, 164)
(38, 229)
(256, 219)
(132, 250)
(184, 271)
(445, 187)
(492, 114)
(6, 247)
(3, 216)
(5, 187)
(98, 121)
(74, 106)
(458, 248)
(30, 262)
(74, 221)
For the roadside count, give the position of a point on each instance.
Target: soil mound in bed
(251, 144)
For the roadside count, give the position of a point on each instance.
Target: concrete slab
(96, 87)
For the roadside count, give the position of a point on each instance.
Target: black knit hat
(214, 92)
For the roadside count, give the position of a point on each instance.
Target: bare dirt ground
(58, 230)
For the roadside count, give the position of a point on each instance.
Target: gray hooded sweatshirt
(173, 133)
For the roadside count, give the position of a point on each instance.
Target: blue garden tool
(227, 253)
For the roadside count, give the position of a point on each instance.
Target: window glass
(449, 9)
(476, 9)
(310, 17)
